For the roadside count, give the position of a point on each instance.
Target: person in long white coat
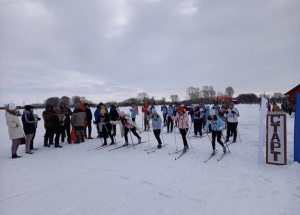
(15, 130)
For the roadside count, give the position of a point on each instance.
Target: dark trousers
(133, 130)
(133, 119)
(183, 134)
(198, 126)
(231, 128)
(89, 126)
(114, 128)
(49, 135)
(57, 135)
(157, 135)
(170, 121)
(165, 119)
(217, 134)
(66, 130)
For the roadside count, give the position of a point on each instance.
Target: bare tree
(54, 101)
(219, 93)
(143, 97)
(205, 93)
(212, 92)
(66, 100)
(229, 91)
(75, 99)
(194, 93)
(174, 98)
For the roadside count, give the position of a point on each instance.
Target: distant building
(292, 94)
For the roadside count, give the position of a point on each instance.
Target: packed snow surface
(79, 180)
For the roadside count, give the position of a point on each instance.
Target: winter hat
(122, 113)
(181, 109)
(86, 104)
(212, 112)
(12, 106)
(232, 104)
(170, 105)
(77, 106)
(102, 110)
(154, 110)
(28, 107)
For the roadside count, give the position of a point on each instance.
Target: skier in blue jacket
(133, 112)
(156, 125)
(217, 125)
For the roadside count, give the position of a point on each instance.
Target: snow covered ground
(128, 181)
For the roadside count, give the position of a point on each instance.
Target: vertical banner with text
(276, 139)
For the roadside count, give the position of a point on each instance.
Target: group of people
(58, 122)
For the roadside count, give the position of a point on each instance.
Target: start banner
(276, 138)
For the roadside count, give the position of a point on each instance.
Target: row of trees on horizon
(194, 95)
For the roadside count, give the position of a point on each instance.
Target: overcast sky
(113, 49)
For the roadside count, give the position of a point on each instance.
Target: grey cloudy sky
(112, 49)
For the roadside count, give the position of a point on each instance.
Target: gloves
(233, 112)
(94, 122)
(226, 112)
(38, 118)
(17, 126)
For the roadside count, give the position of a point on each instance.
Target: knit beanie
(154, 110)
(102, 111)
(231, 103)
(12, 106)
(122, 113)
(212, 112)
(181, 109)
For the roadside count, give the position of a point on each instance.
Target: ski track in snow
(73, 180)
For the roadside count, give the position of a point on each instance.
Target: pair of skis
(220, 158)
(128, 146)
(154, 149)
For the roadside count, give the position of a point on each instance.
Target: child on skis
(170, 114)
(232, 115)
(105, 127)
(183, 124)
(156, 125)
(217, 125)
(125, 125)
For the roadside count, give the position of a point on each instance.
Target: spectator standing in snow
(89, 118)
(57, 126)
(48, 124)
(232, 115)
(14, 128)
(217, 124)
(29, 126)
(114, 116)
(170, 114)
(183, 124)
(164, 110)
(156, 125)
(77, 121)
(133, 112)
(146, 113)
(66, 128)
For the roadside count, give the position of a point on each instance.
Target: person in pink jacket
(183, 125)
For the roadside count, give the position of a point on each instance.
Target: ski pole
(148, 138)
(175, 139)
(225, 142)
(238, 134)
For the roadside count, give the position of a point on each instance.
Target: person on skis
(183, 124)
(217, 125)
(156, 125)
